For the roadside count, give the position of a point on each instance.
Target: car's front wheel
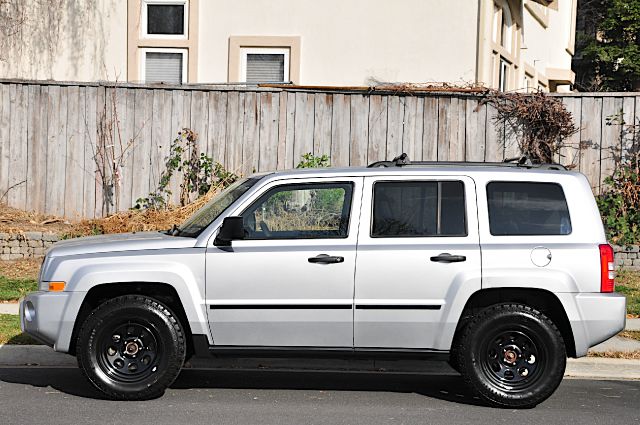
(131, 347)
(512, 355)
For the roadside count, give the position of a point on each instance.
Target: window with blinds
(265, 67)
(264, 64)
(164, 67)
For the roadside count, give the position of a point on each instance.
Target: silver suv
(501, 269)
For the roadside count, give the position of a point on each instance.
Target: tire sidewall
(538, 328)
(160, 321)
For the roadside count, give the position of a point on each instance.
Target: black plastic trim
(398, 307)
(280, 306)
(324, 307)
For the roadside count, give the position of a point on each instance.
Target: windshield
(205, 215)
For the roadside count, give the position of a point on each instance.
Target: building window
(503, 78)
(502, 26)
(165, 19)
(264, 65)
(164, 65)
(263, 59)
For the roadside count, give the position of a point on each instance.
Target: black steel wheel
(131, 347)
(512, 355)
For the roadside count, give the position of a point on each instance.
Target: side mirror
(232, 229)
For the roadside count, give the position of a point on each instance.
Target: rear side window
(527, 208)
(418, 209)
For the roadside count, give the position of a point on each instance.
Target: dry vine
(540, 123)
(111, 152)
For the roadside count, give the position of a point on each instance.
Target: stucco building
(506, 44)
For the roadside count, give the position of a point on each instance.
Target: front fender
(184, 272)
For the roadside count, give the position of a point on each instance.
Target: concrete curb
(9, 308)
(584, 368)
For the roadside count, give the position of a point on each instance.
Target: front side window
(301, 211)
(527, 208)
(418, 209)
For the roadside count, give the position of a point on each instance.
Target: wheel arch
(540, 299)
(163, 292)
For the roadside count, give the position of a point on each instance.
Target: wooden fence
(52, 135)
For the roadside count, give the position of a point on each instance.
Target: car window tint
(527, 208)
(302, 211)
(424, 208)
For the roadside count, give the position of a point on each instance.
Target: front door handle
(448, 258)
(326, 259)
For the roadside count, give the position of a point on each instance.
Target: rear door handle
(326, 259)
(448, 258)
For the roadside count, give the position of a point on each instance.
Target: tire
(131, 348)
(512, 355)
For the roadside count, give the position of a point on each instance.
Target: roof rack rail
(517, 162)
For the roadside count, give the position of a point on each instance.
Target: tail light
(607, 272)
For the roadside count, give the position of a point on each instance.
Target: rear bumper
(594, 317)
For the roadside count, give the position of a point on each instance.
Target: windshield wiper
(173, 231)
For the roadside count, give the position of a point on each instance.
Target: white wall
(546, 47)
(67, 40)
(346, 42)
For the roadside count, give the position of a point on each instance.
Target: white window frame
(144, 17)
(503, 74)
(244, 51)
(143, 60)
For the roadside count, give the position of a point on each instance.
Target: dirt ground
(16, 221)
(21, 269)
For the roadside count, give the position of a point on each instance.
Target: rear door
(418, 247)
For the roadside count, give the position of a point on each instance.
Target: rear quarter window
(527, 208)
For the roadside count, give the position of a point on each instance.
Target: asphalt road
(38, 395)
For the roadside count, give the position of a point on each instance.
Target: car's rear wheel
(131, 347)
(512, 355)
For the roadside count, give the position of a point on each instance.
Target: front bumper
(42, 316)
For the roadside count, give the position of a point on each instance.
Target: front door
(289, 282)
(418, 248)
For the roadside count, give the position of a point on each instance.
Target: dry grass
(21, 269)
(629, 355)
(628, 283)
(139, 220)
(630, 334)
(13, 220)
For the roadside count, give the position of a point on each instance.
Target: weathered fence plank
(75, 156)
(52, 136)
(340, 130)
(377, 128)
(570, 151)
(268, 156)
(395, 119)
(630, 116)
(37, 163)
(90, 126)
(303, 126)
(217, 128)
(590, 138)
(251, 142)
(56, 151)
(323, 109)
(476, 118)
(610, 149)
(5, 140)
(359, 135)
(412, 127)
(430, 129)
